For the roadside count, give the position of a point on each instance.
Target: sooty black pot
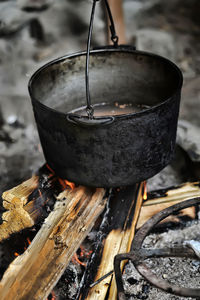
(107, 151)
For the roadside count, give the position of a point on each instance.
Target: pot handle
(85, 121)
(114, 38)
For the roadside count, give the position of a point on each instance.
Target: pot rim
(103, 50)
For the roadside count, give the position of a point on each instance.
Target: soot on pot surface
(116, 148)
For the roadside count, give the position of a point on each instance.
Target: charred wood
(114, 236)
(164, 198)
(33, 274)
(30, 202)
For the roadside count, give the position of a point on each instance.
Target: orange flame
(66, 184)
(40, 193)
(28, 242)
(53, 296)
(145, 191)
(16, 254)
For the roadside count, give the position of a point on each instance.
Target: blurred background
(35, 32)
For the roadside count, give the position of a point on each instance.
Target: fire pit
(138, 254)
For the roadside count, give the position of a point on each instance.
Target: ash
(178, 271)
(30, 36)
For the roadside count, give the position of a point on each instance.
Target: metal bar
(137, 255)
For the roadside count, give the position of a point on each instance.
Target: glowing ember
(145, 191)
(76, 259)
(50, 169)
(84, 253)
(27, 244)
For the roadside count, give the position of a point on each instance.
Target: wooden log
(33, 274)
(30, 202)
(161, 199)
(115, 236)
(128, 236)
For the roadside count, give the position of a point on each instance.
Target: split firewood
(30, 202)
(33, 274)
(162, 199)
(128, 236)
(115, 235)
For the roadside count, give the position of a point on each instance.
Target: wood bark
(33, 274)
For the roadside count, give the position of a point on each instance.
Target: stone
(32, 5)
(188, 137)
(156, 41)
(12, 18)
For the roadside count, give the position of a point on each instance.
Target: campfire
(86, 225)
(87, 229)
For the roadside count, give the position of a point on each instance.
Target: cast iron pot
(107, 151)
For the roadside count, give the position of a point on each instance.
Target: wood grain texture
(167, 198)
(16, 217)
(33, 274)
(121, 218)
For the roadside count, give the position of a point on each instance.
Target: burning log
(74, 214)
(162, 199)
(115, 235)
(30, 202)
(33, 274)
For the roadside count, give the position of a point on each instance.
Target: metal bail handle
(114, 39)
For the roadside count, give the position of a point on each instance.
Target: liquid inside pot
(114, 109)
